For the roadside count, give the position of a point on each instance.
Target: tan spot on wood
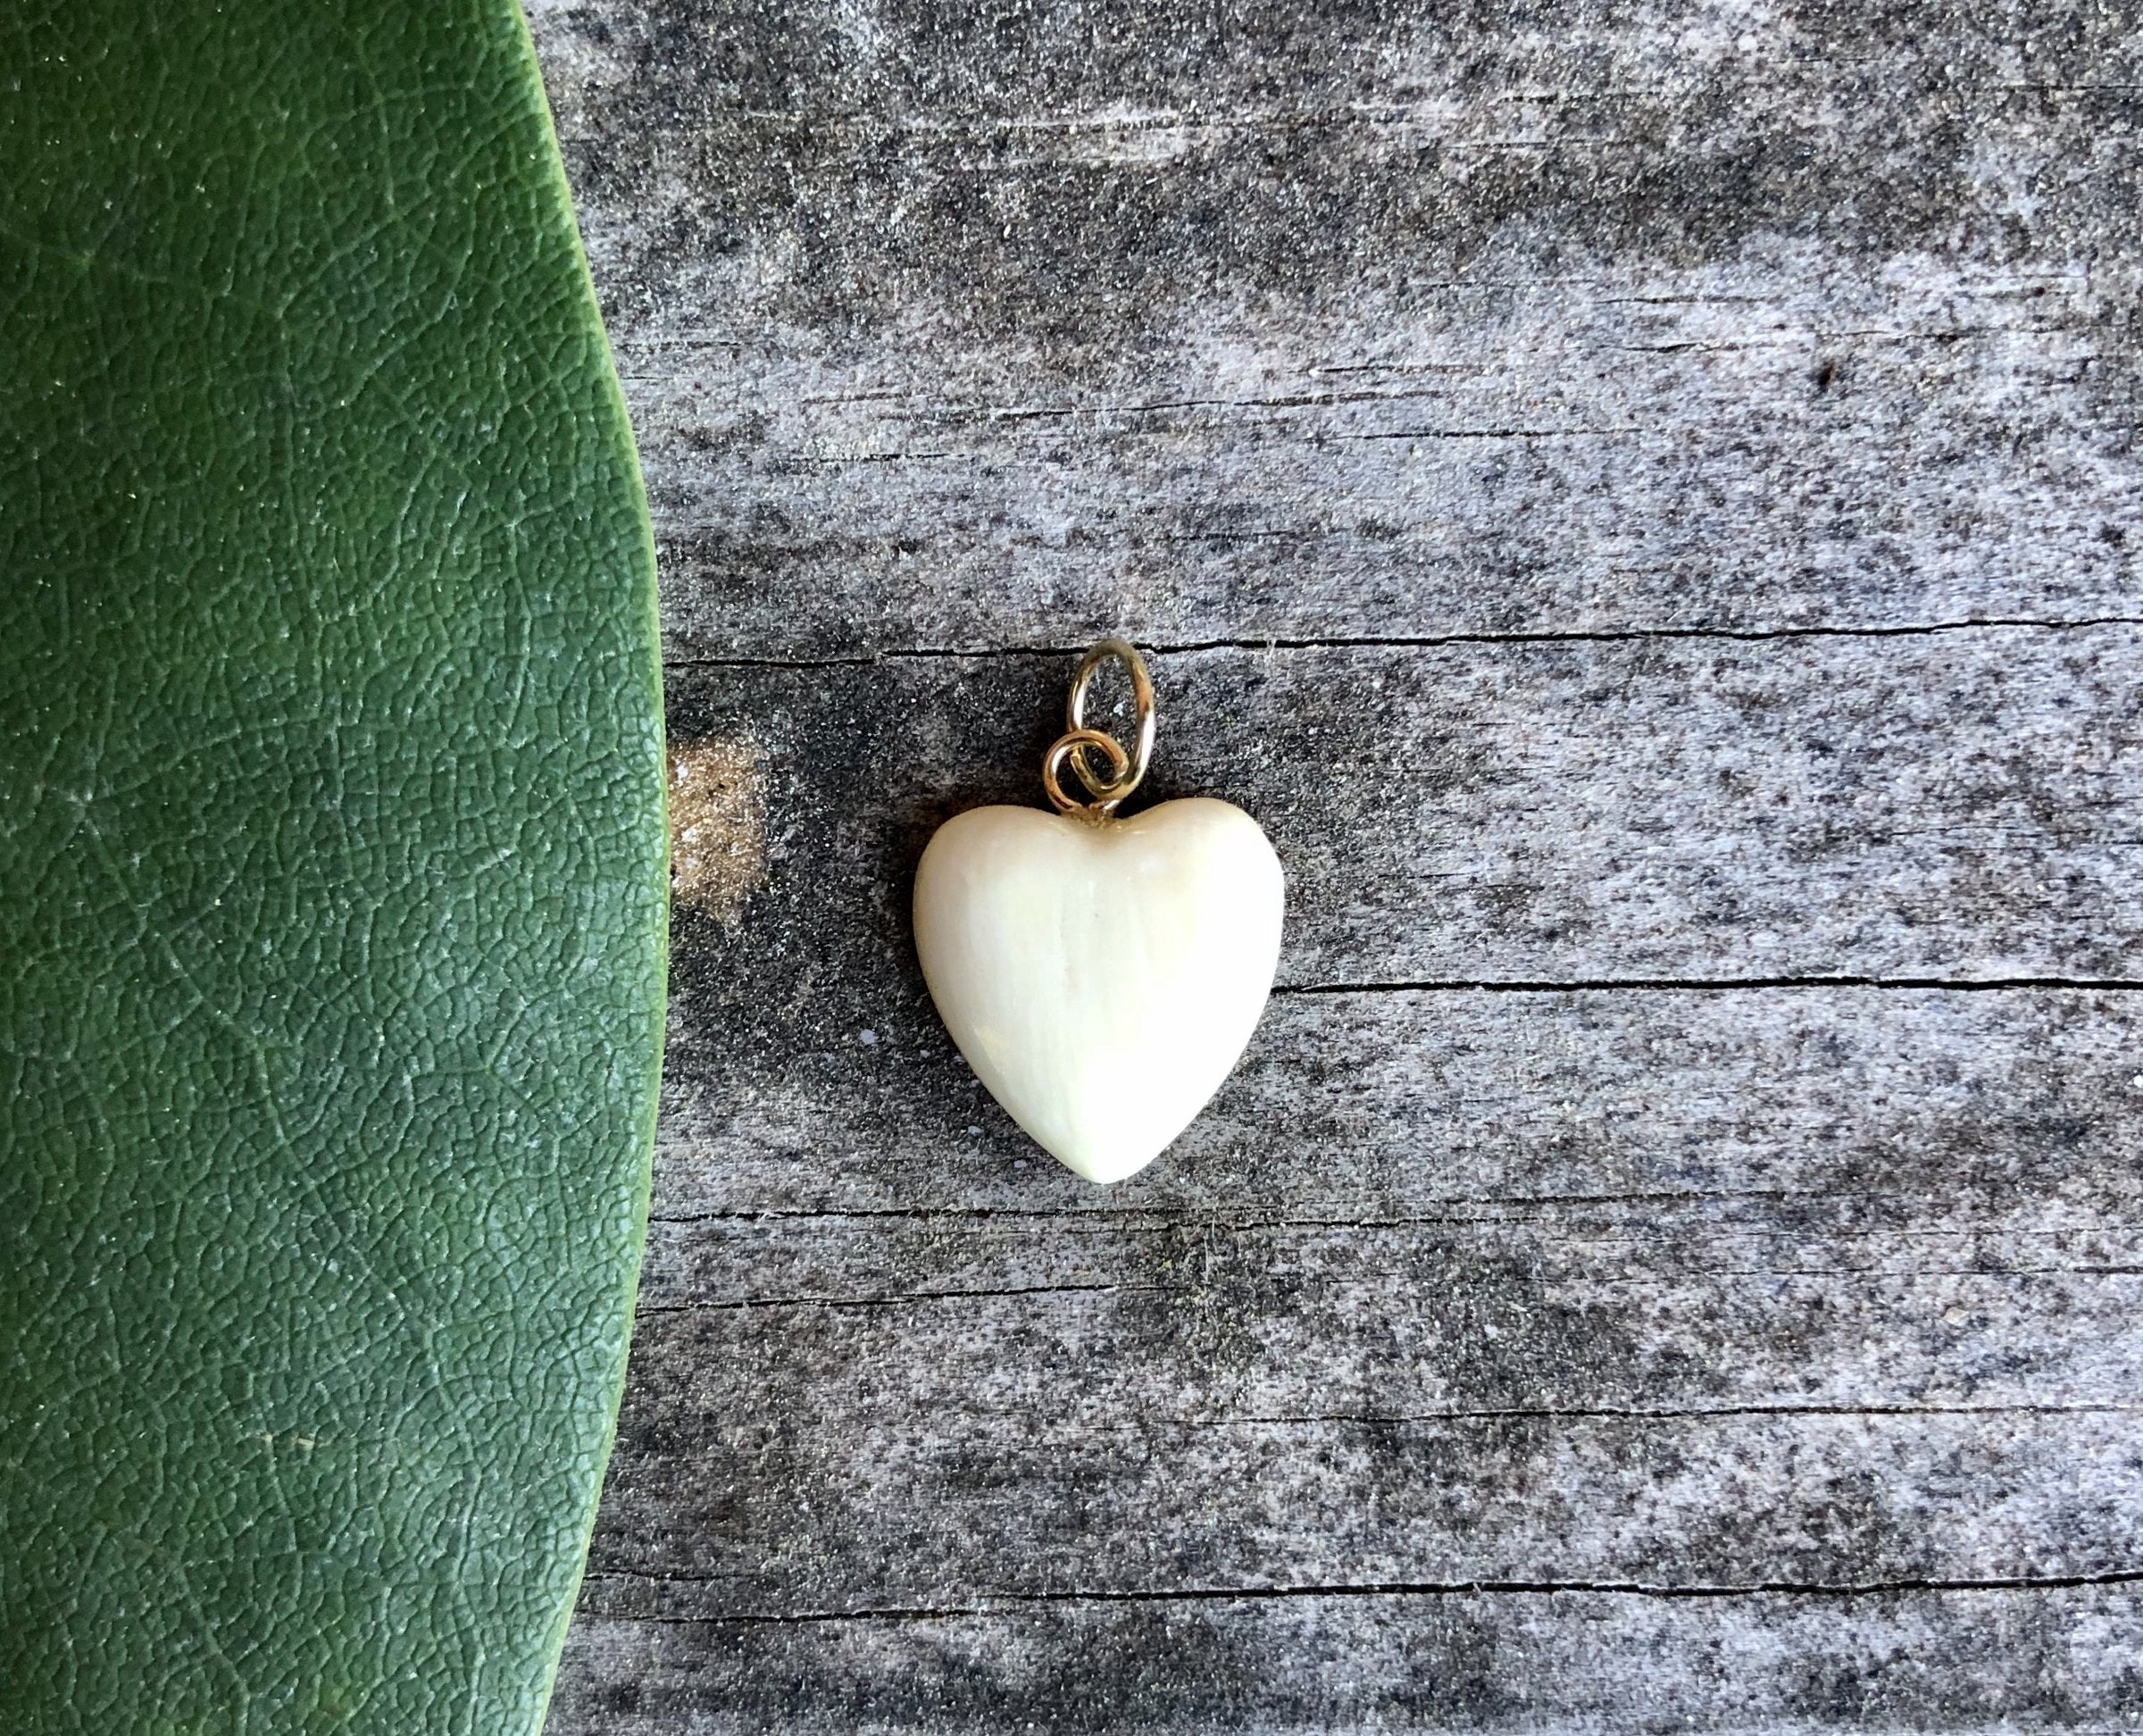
(717, 823)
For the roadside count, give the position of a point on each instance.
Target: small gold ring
(1074, 742)
(1114, 789)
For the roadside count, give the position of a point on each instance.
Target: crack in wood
(1427, 642)
(1001, 1603)
(1714, 985)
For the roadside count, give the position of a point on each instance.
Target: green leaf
(331, 871)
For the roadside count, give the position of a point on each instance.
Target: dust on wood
(717, 823)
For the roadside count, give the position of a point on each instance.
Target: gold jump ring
(1077, 741)
(1113, 790)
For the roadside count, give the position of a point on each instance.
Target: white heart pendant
(1102, 976)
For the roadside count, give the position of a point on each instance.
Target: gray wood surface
(1643, 503)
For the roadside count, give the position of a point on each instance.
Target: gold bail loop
(1126, 769)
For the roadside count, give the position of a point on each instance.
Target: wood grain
(953, 327)
(1643, 503)
(1858, 1244)
(1957, 804)
(1463, 1658)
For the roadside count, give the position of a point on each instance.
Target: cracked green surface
(331, 873)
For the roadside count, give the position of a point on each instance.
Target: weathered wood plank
(1591, 339)
(979, 1509)
(1886, 1299)
(1837, 1109)
(1955, 805)
(1485, 1659)
(1455, 1284)
(961, 328)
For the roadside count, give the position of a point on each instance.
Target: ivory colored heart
(1101, 977)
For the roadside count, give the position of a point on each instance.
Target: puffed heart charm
(1102, 976)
